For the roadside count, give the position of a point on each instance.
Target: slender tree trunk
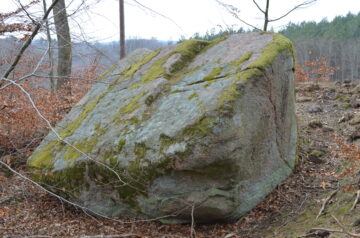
(122, 29)
(51, 59)
(64, 46)
(266, 22)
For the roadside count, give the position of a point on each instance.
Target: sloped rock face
(203, 125)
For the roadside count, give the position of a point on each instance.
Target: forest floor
(327, 175)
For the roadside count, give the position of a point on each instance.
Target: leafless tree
(236, 12)
(26, 44)
(64, 46)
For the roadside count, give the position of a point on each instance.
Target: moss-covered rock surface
(203, 125)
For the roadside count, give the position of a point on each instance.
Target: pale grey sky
(101, 20)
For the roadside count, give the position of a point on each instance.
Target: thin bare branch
(315, 230)
(192, 229)
(158, 13)
(235, 13)
(257, 5)
(306, 3)
(356, 200)
(326, 201)
(27, 43)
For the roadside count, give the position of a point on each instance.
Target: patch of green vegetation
(140, 150)
(272, 50)
(43, 159)
(110, 69)
(137, 65)
(121, 144)
(244, 58)
(214, 73)
(338, 96)
(85, 146)
(316, 153)
(212, 76)
(149, 100)
(177, 91)
(256, 68)
(165, 142)
(214, 42)
(346, 105)
(133, 104)
(187, 50)
(315, 124)
(229, 96)
(75, 124)
(180, 75)
(202, 127)
(193, 95)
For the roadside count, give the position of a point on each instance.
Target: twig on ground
(316, 231)
(325, 203)
(356, 200)
(192, 229)
(112, 236)
(325, 231)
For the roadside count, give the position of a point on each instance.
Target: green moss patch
(85, 146)
(193, 95)
(133, 104)
(121, 144)
(43, 159)
(243, 59)
(229, 96)
(187, 50)
(137, 65)
(272, 50)
(202, 127)
(256, 68)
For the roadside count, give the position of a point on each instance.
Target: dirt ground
(328, 164)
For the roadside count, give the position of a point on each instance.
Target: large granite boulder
(208, 126)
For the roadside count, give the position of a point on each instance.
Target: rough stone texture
(204, 124)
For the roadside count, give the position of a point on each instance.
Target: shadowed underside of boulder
(203, 125)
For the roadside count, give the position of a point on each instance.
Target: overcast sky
(100, 21)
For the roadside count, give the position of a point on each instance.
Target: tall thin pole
(122, 29)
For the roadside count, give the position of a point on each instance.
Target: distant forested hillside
(340, 28)
(338, 40)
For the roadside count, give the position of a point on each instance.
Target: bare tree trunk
(266, 13)
(51, 59)
(64, 46)
(122, 29)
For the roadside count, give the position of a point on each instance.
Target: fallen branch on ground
(325, 203)
(356, 200)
